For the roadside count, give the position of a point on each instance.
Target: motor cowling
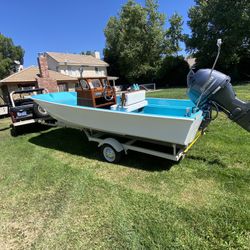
(206, 87)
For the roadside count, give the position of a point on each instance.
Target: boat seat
(131, 101)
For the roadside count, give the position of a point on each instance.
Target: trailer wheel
(13, 131)
(109, 154)
(39, 111)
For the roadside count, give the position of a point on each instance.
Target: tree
(124, 40)
(154, 43)
(225, 19)
(112, 50)
(173, 71)
(174, 34)
(135, 41)
(8, 54)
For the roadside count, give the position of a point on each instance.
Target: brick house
(33, 77)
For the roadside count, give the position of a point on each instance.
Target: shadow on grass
(32, 128)
(76, 143)
(210, 162)
(3, 129)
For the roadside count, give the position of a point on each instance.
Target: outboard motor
(217, 89)
(209, 87)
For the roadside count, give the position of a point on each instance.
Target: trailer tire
(13, 131)
(39, 111)
(109, 154)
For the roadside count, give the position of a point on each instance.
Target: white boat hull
(176, 130)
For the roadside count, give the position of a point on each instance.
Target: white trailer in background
(4, 110)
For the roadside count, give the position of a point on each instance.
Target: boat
(103, 115)
(165, 120)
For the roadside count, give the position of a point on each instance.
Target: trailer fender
(112, 142)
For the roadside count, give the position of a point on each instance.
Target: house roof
(31, 73)
(76, 59)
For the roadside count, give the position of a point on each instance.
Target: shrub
(173, 72)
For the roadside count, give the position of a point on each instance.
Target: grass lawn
(56, 193)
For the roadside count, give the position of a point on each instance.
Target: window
(24, 86)
(95, 83)
(69, 70)
(105, 82)
(81, 70)
(63, 87)
(84, 84)
(96, 70)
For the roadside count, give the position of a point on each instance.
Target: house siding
(74, 71)
(4, 95)
(14, 86)
(71, 87)
(52, 64)
(10, 87)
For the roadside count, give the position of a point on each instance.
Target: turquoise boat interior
(152, 106)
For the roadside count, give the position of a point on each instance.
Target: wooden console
(95, 92)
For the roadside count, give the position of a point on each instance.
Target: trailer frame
(121, 144)
(174, 152)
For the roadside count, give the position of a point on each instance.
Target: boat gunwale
(198, 114)
(172, 99)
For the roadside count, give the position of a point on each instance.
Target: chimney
(19, 68)
(97, 55)
(44, 80)
(43, 65)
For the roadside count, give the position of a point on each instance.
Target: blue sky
(66, 26)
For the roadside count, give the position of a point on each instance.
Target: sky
(69, 26)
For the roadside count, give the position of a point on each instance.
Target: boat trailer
(113, 146)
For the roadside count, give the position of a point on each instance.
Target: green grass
(56, 193)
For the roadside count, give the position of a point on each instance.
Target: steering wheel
(106, 91)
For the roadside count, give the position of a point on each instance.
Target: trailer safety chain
(199, 134)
